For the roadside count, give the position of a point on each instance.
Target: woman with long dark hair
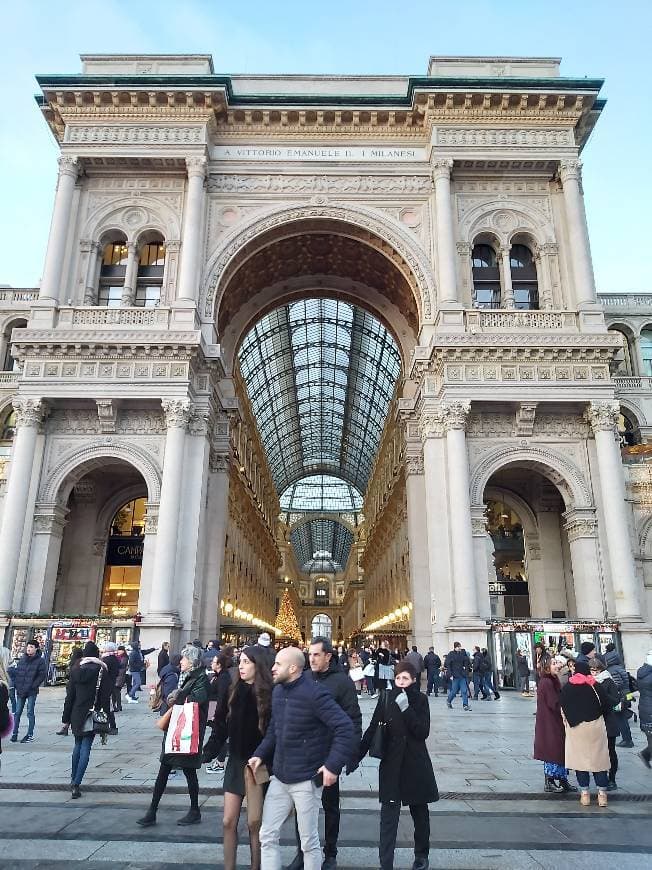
(244, 721)
(549, 734)
(193, 688)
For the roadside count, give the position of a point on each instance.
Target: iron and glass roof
(323, 493)
(322, 546)
(320, 374)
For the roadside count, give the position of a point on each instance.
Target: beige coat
(586, 746)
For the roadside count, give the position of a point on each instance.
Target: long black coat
(405, 773)
(80, 693)
(194, 689)
(644, 680)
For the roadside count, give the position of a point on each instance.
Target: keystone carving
(525, 415)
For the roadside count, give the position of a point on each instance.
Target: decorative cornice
(177, 412)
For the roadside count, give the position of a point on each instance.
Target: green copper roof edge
(414, 83)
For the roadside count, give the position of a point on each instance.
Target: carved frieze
(473, 137)
(308, 184)
(135, 134)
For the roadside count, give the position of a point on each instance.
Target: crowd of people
(285, 724)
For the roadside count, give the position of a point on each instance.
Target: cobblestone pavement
(493, 813)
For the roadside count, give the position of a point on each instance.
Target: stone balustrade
(98, 318)
(629, 383)
(19, 295)
(9, 379)
(492, 320)
(621, 301)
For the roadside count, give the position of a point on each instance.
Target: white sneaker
(215, 767)
(375, 695)
(132, 700)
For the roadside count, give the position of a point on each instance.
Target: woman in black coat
(83, 695)
(613, 699)
(405, 775)
(244, 721)
(76, 656)
(193, 687)
(218, 697)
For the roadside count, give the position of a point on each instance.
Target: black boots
(75, 792)
(192, 817)
(566, 786)
(148, 819)
(550, 785)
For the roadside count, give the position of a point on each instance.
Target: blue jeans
(135, 684)
(12, 698)
(583, 778)
(80, 756)
(31, 719)
(459, 684)
(433, 682)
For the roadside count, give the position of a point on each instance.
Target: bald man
(308, 742)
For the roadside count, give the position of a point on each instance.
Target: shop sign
(508, 587)
(125, 551)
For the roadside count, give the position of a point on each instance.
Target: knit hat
(587, 647)
(91, 650)
(264, 639)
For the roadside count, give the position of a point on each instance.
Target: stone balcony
(632, 384)
(626, 303)
(512, 320)
(20, 297)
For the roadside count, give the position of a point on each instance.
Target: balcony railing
(8, 379)
(627, 383)
(18, 294)
(488, 320)
(625, 300)
(98, 317)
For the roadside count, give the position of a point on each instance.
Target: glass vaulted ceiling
(322, 545)
(320, 374)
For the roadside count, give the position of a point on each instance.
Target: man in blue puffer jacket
(29, 675)
(308, 742)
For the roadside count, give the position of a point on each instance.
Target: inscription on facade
(318, 153)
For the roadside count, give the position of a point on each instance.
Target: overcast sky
(594, 38)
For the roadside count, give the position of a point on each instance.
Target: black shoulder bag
(97, 722)
(379, 741)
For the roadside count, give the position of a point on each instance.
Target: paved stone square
(493, 813)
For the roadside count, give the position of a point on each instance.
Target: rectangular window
(148, 295)
(109, 296)
(486, 295)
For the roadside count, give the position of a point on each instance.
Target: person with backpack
(644, 683)
(622, 680)
(432, 664)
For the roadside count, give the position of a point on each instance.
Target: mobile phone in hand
(318, 779)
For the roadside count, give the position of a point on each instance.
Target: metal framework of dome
(320, 374)
(322, 546)
(323, 493)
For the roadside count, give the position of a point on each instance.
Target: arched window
(151, 263)
(621, 364)
(646, 351)
(321, 626)
(112, 273)
(8, 362)
(486, 277)
(524, 278)
(628, 429)
(7, 432)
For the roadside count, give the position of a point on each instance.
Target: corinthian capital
(196, 167)
(441, 167)
(603, 416)
(431, 424)
(569, 169)
(69, 166)
(177, 412)
(29, 412)
(455, 415)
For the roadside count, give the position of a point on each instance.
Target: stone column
(417, 526)
(543, 256)
(192, 224)
(45, 550)
(90, 262)
(483, 567)
(466, 272)
(217, 508)
(581, 526)
(170, 270)
(570, 173)
(506, 268)
(162, 604)
(30, 413)
(131, 276)
(446, 250)
(61, 213)
(603, 417)
(454, 418)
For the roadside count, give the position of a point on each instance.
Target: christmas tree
(286, 621)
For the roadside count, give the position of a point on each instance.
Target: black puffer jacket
(457, 663)
(617, 671)
(644, 680)
(341, 687)
(80, 693)
(29, 674)
(405, 772)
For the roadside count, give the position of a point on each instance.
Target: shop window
(112, 274)
(524, 278)
(486, 277)
(124, 556)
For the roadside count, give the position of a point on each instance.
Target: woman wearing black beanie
(88, 689)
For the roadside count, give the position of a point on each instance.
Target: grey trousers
(280, 800)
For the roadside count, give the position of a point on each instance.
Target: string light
(399, 614)
(229, 609)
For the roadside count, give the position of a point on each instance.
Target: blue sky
(595, 38)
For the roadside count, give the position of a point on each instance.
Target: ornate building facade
(230, 256)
